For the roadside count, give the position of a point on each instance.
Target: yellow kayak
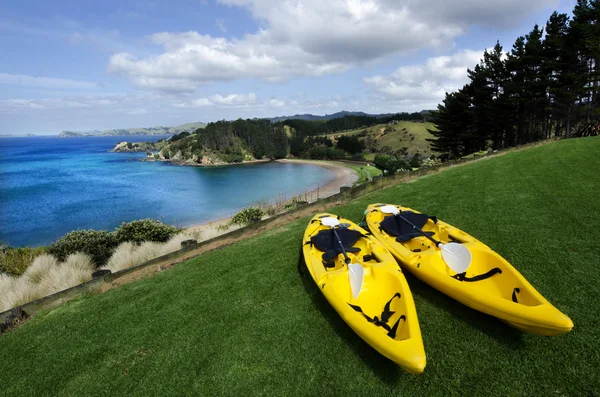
(370, 292)
(490, 284)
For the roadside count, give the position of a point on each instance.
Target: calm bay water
(50, 186)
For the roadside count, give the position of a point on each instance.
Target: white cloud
(123, 103)
(234, 99)
(239, 101)
(45, 82)
(276, 103)
(426, 84)
(313, 38)
(221, 25)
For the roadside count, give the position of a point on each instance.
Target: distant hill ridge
(190, 127)
(338, 115)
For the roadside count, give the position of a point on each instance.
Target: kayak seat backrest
(394, 226)
(326, 242)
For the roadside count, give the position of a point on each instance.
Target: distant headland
(135, 131)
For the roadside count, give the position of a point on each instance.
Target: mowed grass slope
(241, 321)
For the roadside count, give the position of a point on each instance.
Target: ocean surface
(50, 186)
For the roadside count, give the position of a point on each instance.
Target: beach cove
(51, 186)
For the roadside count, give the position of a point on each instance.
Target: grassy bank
(404, 135)
(364, 172)
(241, 321)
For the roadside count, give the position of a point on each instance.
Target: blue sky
(84, 65)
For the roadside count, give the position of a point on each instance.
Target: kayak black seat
(394, 226)
(325, 241)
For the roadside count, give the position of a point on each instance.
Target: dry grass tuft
(21, 291)
(46, 276)
(41, 266)
(75, 270)
(127, 254)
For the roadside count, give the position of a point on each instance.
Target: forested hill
(227, 142)
(547, 85)
(252, 139)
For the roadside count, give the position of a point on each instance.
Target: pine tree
(454, 120)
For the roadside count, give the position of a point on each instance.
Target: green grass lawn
(364, 172)
(241, 321)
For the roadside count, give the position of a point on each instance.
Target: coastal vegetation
(247, 216)
(47, 274)
(241, 319)
(226, 142)
(27, 273)
(365, 172)
(16, 260)
(547, 85)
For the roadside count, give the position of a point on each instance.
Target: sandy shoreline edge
(344, 176)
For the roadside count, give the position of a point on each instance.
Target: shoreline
(184, 163)
(344, 176)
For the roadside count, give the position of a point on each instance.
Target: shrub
(388, 163)
(247, 216)
(432, 162)
(233, 158)
(415, 162)
(16, 260)
(179, 136)
(145, 230)
(336, 154)
(98, 244)
(350, 144)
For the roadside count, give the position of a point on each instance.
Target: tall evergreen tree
(454, 125)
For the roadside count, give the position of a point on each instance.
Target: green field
(408, 135)
(241, 321)
(365, 173)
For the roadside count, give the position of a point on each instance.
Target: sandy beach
(343, 177)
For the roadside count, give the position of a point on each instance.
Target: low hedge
(145, 230)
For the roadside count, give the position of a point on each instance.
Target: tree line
(231, 138)
(547, 85)
(348, 122)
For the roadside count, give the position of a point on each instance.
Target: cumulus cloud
(191, 59)
(426, 83)
(313, 38)
(239, 101)
(45, 82)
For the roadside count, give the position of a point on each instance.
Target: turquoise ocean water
(50, 186)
